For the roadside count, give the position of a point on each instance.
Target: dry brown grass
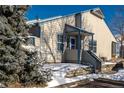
(19, 85)
(15, 85)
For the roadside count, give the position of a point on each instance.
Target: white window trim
(94, 47)
(58, 42)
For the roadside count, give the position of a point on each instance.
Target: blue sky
(46, 11)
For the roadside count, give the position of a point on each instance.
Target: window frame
(74, 45)
(113, 46)
(30, 39)
(94, 46)
(60, 44)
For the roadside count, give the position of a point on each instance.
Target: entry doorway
(72, 42)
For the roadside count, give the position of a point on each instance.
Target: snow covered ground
(108, 63)
(60, 70)
(64, 66)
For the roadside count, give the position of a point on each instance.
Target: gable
(93, 23)
(97, 12)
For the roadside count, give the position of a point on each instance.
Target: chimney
(78, 20)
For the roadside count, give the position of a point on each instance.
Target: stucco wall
(50, 30)
(103, 35)
(70, 55)
(37, 41)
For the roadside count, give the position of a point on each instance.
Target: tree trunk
(54, 59)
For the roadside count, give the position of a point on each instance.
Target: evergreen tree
(17, 65)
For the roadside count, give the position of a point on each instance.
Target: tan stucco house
(64, 38)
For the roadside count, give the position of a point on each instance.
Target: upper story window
(94, 46)
(60, 42)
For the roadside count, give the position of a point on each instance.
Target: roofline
(82, 30)
(57, 17)
(82, 12)
(110, 30)
(44, 20)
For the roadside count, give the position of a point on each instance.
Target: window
(72, 42)
(118, 48)
(31, 40)
(94, 46)
(60, 42)
(113, 49)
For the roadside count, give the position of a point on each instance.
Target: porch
(74, 39)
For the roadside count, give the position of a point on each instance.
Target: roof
(44, 20)
(57, 17)
(71, 29)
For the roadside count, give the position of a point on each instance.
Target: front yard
(61, 70)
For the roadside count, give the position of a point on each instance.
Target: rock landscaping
(78, 72)
(107, 67)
